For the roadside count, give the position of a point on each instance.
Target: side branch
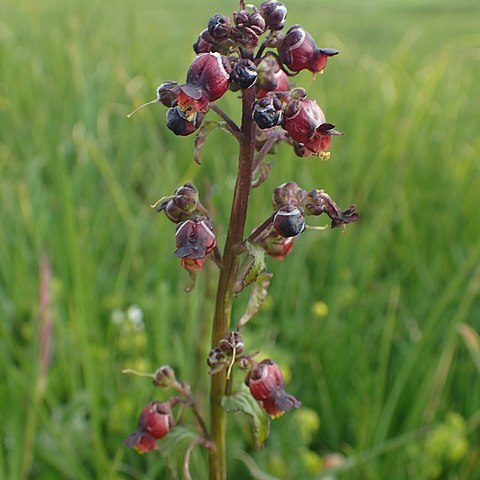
(232, 126)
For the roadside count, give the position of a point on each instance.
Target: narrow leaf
(242, 401)
(203, 132)
(251, 267)
(472, 342)
(257, 298)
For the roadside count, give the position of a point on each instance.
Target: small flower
(305, 123)
(244, 74)
(207, 80)
(232, 341)
(271, 78)
(274, 13)
(168, 92)
(195, 240)
(181, 206)
(204, 43)
(266, 385)
(219, 28)
(181, 124)
(299, 52)
(268, 112)
(154, 423)
(287, 194)
(289, 221)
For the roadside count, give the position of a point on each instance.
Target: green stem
(226, 282)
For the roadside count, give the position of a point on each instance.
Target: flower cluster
(226, 59)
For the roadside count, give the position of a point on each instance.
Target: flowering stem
(226, 282)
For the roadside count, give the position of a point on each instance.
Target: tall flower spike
(298, 51)
(266, 385)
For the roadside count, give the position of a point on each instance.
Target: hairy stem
(226, 282)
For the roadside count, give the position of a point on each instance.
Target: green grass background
(367, 322)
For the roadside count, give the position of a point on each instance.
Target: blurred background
(375, 328)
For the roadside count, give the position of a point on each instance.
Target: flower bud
(164, 377)
(244, 74)
(249, 21)
(271, 78)
(216, 358)
(287, 194)
(266, 385)
(204, 43)
(168, 92)
(289, 221)
(154, 423)
(179, 124)
(219, 27)
(298, 51)
(233, 341)
(194, 240)
(268, 112)
(274, 13)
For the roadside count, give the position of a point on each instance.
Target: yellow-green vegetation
(379, 321)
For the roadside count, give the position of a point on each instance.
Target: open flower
(154, 423)
(207, 80)
(305, 122)
(195, 240)
(266, 385)
(298, 51)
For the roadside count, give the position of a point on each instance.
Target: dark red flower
(274, 13)
(195, 240)
(207, 80)
(266, 385)
(287, 194)
(305, 122)
(183, 123)
(299, 52)
(271, 78)
(154, 423)
(268, 111)
(219, 27)
(289, 221)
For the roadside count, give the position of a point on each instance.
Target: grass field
(375, 325)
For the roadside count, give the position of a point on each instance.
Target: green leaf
(203, 132)
(251, 267)
(257, 297)
(242, 401)
(173, 449)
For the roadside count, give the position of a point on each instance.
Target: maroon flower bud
(244, 74)
(287, 194)
(154, 423)
(268, 112)
(168, 92)
(274, 13)
(299, 52)
(271, 78)
(207, 80)
(289, 221)
(219, 27)
(305, 123)
(216, 358)
(249, 21)
(181, 206)
(194, 240)
(266, 385)
(204, 43)
(233, 341)
(179, 124)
